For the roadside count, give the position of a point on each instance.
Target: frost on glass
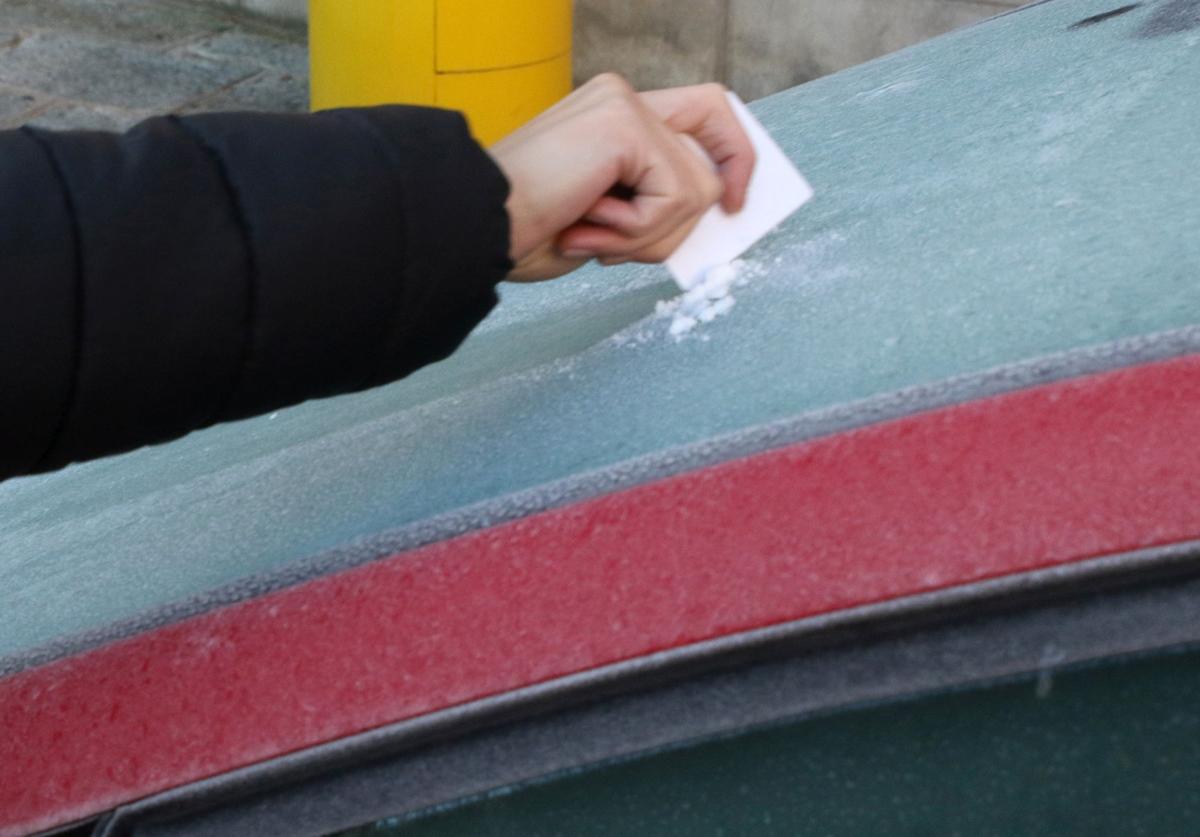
(1008, 191)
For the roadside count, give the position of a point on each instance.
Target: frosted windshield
(1011, 190)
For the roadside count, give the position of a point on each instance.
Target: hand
(612, 174)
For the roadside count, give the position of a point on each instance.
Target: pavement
(107, 64)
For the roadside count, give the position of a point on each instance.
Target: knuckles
(617, 113)
(612, 84)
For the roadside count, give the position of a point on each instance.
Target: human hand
(611, 174)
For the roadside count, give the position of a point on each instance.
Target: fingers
(670, 186)
(608, 173)
(671, 198)
(665, 199)
(612, 248)
(704, 113)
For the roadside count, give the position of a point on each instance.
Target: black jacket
(206, 268)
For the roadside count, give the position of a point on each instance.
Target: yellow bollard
(501, 62)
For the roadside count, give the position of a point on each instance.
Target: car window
(1100, 750)
(1010, 190)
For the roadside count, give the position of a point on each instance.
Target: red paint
(1061, 473)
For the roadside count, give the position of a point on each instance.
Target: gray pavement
(106, 64)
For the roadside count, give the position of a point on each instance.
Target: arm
(207, 268)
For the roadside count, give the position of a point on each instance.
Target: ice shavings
(778, 269)
(711, 299)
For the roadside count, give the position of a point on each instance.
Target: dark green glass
(1112, 749)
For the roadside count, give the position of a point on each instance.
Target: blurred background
(757, 47)
(105, 64)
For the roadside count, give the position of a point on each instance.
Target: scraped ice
(711, 299)
(682, 324)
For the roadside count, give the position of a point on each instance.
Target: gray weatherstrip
(629, 474)
(1005, 627)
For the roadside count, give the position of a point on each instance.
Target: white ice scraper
(777, 190)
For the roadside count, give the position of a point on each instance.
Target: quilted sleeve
(206, 268)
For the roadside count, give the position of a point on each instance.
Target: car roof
(977, 206)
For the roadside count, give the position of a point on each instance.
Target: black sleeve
(205, 268)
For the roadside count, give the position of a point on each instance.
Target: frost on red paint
(941, 499)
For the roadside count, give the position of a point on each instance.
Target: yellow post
(501, 62)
